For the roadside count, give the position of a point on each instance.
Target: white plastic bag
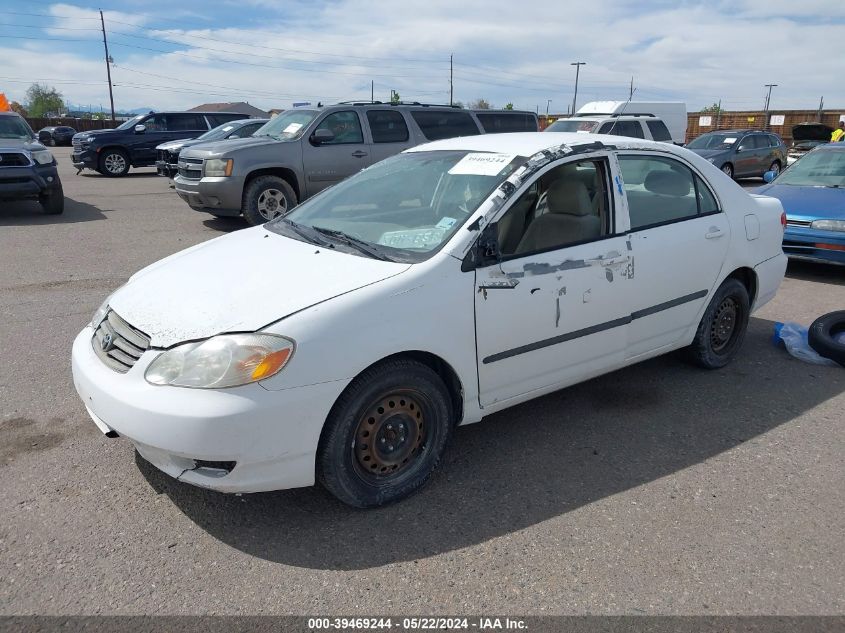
(794, 337)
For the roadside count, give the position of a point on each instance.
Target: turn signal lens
(783, 220)
(271, 363)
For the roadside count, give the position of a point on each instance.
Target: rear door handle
(714, 233)
(359, 154)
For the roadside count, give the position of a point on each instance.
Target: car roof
(740, 131)
(529, 143)
(10, 113)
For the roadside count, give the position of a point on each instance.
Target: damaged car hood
(239, 283)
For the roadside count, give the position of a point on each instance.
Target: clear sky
(270, 53)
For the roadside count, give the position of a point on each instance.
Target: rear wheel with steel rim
(722, 328)
(114, 163)
(386, 434)
(266, 198)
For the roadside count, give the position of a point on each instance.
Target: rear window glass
(659, 131)
(220, 119)
(387, 126)
(436, 125)
(493, 122)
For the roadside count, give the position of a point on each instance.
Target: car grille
(77, 144)
(118, 344)
(190, 168)
(14, 159)
(791, 222)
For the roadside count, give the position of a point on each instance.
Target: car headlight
(100, 314)
(828, 225)
(218, 167)
(42, 157)
(88, 139)
(712, 160)
(227, 360)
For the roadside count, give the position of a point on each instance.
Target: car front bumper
(272, 436)
(218, 195)
(163, 168)
(814, 245)
(28, 182)
(84, 157)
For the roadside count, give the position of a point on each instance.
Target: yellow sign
(751, 119)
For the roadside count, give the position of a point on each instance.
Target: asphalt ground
(658, 489)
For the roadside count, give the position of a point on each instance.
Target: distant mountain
(139, 110)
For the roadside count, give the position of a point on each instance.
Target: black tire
(404, 408)
(53, 203)
(822, 333)
(52, 142)
(775, 167)
(265, 198)
(722, 328)
(113, 163)
(728, 170)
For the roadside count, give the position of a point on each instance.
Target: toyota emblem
(106, 343)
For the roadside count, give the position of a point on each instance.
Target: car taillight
(783, 220)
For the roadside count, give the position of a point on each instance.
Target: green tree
(508, 106)
(43, 100)
(480, 104)
(394, 97)
(714, 109)
(17, 107)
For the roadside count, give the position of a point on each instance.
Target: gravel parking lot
(659, 489)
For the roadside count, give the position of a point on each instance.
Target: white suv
(646, 126)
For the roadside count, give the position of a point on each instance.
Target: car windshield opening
(819, 168)
(216, 133)
(13, 127)
(714, 141)
(126, 125)
(405, 207)
(571, 125)
(287, 126)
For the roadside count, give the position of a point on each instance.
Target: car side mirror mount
(140, 129)
(769, 176)
(322, 136)
(485, 251)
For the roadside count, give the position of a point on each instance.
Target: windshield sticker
(228, 127)
(481, 164)
(730, 140)
(425, 238)
(293, 128)
(446, 223)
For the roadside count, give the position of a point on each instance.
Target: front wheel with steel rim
(266, 198)
(722, 328)
(385, 435)
(114, 163)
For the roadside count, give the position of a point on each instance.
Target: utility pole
(768, 99)
(548, 101)
(577, 70)
(718, 113)
(451, 81)
(631, 93)
(372, 90)
(108, 67)
(821, 107)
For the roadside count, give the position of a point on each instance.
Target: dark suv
(27, 168)
(741, 153)
(133, 143)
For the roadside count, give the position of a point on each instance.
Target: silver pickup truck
(302, 151)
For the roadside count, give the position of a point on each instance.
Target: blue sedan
(812, 192)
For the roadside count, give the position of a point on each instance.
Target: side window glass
(179, 122)
(744, 144)
(506, 122)
(706, 202)
(387, 126)
(659, 190)
(659, 131)
(344, 125)
(436, 124)
(758, 141)
(629, 128)
(155, 123)
(605, 128)
(566, 205)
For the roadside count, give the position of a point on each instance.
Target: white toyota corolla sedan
(344, 341)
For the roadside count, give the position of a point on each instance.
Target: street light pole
(577, 70)
(108, 62)
(768, 100)
(548, 101)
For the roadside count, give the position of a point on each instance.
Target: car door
(143, 144)
(747, 156)
(347, 152)
(553, 309)
(389, 133)
(679, 237)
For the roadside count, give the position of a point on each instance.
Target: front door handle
(503, 284)
(714, 233)
(359, 154)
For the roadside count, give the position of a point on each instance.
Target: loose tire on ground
(822, 336)
(722, 328)
(266, 198)
(53, 203)
(113, 163)
(385, 435)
